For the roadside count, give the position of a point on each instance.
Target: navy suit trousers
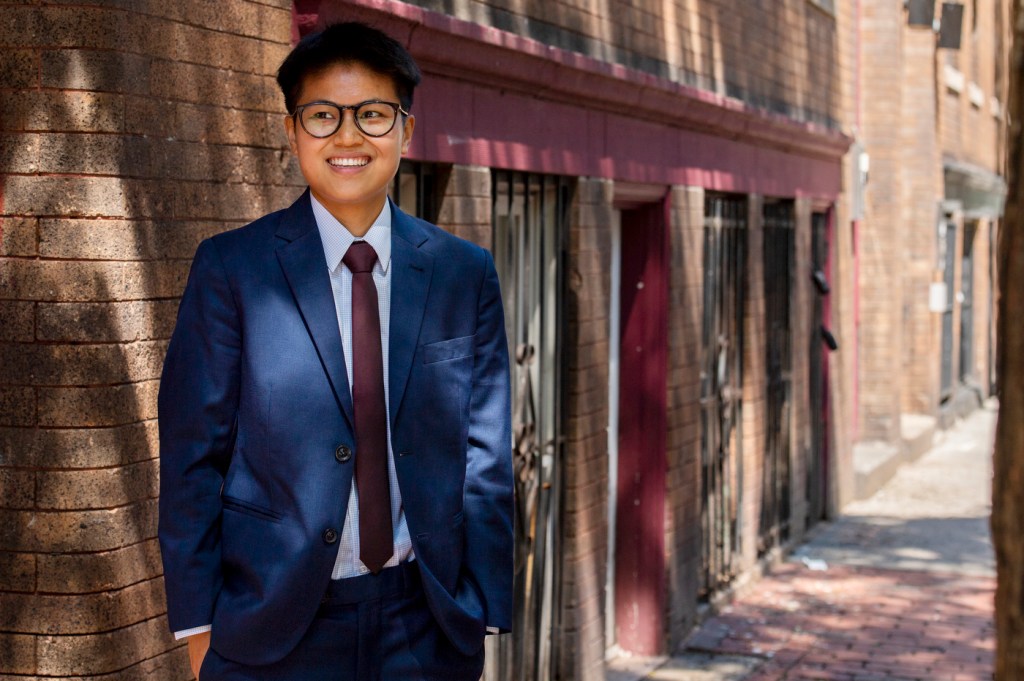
(368, 628)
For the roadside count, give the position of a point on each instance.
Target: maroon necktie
(375, 531)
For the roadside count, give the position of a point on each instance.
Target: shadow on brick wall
(119, 167)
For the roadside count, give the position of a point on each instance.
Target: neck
(356, 218)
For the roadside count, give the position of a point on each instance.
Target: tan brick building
(931, 124)
(675, 212)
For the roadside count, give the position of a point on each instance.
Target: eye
(322, 115)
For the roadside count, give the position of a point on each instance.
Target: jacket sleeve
(198, 404)
(489, 492)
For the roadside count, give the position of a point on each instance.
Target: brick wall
(128, 132)
(881, 234)
(982, 305)
(755, 373)
(841, 364)
(683, 521)
(465, 209)
(921, 191)
(732, 48)
(585, 509)
(800, 322)
(970, 129)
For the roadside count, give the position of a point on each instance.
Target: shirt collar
(336, 238)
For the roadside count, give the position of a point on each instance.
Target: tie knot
(360, 257)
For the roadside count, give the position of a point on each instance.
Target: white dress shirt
(336, 240)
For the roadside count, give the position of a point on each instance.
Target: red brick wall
(730, 48)
(842, 363)
(982, 305)
(800, 327)
(683, 523)
(970, 130)
(754, 385)
(921, 184)
(881, 238)
(585, 509)
(466, 204)
(126, 135)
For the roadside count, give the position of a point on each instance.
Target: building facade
(931, 127)
(700, 281)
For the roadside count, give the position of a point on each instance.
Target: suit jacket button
(343, 453)
(330, 535)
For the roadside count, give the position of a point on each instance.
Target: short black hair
(348, 43)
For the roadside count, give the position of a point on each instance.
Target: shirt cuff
(493, 630)
(185, 633)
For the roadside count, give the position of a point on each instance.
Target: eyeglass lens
(373, 118)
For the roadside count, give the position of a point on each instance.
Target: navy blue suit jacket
(255, 403)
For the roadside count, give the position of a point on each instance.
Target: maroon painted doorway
(642, 426)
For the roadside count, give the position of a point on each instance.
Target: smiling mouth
(348, 162)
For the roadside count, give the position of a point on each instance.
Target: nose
(348, 133)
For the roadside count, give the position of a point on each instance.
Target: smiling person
(335, 442)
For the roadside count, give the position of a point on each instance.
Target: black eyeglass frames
(374, 117)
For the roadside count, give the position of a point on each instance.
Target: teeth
(348, 162)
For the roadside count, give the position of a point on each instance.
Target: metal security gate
(779, 241)
(947, 244)
(967, 305)
(530, 215)
(721, 389)
(817, 455)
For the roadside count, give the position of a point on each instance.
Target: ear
(407, 128)
(289, 130)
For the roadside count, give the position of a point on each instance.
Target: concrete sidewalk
(900, 588)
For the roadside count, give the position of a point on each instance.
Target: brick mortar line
(107, 218)
(38, 258)
(75, 343)
(39, 677)
(138, 136)
(151, 178)
(48, 469)
(78, 428)
(130, 93)
(188, 102)
(67, 511)
(110, 50)
(114, 301)
(75, 386)
(73, 594)
(138, 12)
(134, 135)
(102, 632)
(82, 553)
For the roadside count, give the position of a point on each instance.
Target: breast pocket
(447, 350)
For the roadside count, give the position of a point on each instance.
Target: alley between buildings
(900, 588)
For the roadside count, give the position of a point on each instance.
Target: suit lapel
(410, 283)
(301, 255)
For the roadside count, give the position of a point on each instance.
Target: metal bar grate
(817, 453)
(725, 224)
(530, 215)
(779, 245)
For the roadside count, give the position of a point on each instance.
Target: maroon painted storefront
(491, 98)
(496, 100)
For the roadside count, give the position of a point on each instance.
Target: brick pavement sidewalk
(908, 593)
(855, 624)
